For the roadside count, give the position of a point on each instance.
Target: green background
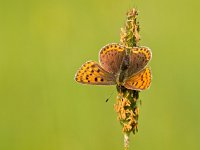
(44, 42)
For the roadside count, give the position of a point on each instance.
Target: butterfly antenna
(109, 96)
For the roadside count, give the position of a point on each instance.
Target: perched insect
(118, 65)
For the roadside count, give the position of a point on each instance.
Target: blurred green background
(44, 42)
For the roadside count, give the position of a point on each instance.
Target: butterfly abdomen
(123, 69)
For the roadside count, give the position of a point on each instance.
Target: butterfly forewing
(139, 81)
(111, 56)
(93, 73)
(139, 58)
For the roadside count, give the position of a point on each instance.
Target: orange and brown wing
(139, 81)
(111, 56)
(139, 58)
(92, 73)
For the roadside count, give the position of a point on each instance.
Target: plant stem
(126, 106)
(126, 141)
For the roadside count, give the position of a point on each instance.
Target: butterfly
(118, 65)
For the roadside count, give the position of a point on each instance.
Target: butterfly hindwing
(139, 81)
(93, 73)
(139, 58)
(111, 56)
